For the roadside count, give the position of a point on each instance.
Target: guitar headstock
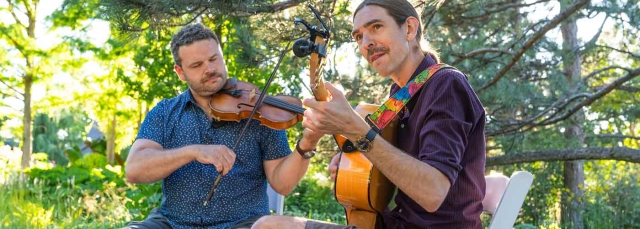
(316, 47)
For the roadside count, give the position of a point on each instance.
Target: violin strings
(276, 102)
(284, 104)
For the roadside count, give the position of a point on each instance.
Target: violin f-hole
(244, 104)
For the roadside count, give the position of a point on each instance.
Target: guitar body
(360, 187)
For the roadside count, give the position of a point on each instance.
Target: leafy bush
(87, 193)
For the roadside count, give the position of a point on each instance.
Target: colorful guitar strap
(389, 109)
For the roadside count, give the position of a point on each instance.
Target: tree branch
(629, 89)
(618, 136)
(12, 9)
(621, 51)
(595, 96)
(12, 88)
(615, 153)
(561, 105)
(15, 43)
(502, 7)
(592, 43)
(596, 72)
(536, 36)
(476, 52)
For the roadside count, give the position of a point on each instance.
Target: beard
(206, 89)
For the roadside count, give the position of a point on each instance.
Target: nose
(211, 67)
(366, 44)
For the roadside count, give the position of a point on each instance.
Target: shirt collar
(187, 97)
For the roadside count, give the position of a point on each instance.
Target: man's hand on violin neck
(218, 155)
(334, 116)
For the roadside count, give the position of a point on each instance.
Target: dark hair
(400, 10)
(187, 35)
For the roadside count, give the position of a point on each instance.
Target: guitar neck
(319, 90)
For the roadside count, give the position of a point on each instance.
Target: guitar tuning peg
(302, 47)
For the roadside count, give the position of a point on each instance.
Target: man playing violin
(180, 144)
(439, 159)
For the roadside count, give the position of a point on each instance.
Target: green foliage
(88, 193)
(313, 197)
(614, 198)
(53, 135)
(73, 13)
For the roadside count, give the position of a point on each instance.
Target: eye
(376, 27)
(358, 38)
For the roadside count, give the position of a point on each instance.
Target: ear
(412, 25)
(179, 71)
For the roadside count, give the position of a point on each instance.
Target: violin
(236, 100)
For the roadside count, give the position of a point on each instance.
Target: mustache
(211, 75)
(375, 50)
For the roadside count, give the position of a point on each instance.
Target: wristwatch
(306, 154)
(364, 143)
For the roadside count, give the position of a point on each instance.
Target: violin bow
(246, 125)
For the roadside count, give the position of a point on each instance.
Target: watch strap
(300, 151)
(371, 135)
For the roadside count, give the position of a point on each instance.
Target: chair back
(504, 197)
(276, 201)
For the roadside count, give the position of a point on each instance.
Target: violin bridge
(252, 94)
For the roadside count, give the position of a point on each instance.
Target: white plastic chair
(276, 201)
(504, 197)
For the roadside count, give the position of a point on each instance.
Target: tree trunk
(26, 122)
(111, 140)
(28, 82)
(573, 170)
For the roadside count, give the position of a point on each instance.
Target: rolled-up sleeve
(447, 123)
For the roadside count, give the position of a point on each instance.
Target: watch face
(363, 145)
(309, 154)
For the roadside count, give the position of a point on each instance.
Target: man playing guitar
(438, 160)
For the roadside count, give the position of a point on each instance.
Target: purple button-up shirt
(444, 127)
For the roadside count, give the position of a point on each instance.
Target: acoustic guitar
(360, 187)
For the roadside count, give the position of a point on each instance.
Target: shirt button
(400, 211)
(402, 125)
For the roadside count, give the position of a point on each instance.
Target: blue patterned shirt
(241, 194)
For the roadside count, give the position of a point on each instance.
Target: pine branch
(563, 108)
(171, 14)
(636, 56)
(501, 7)
(481, 51)
(596, 72)
(533, 39)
